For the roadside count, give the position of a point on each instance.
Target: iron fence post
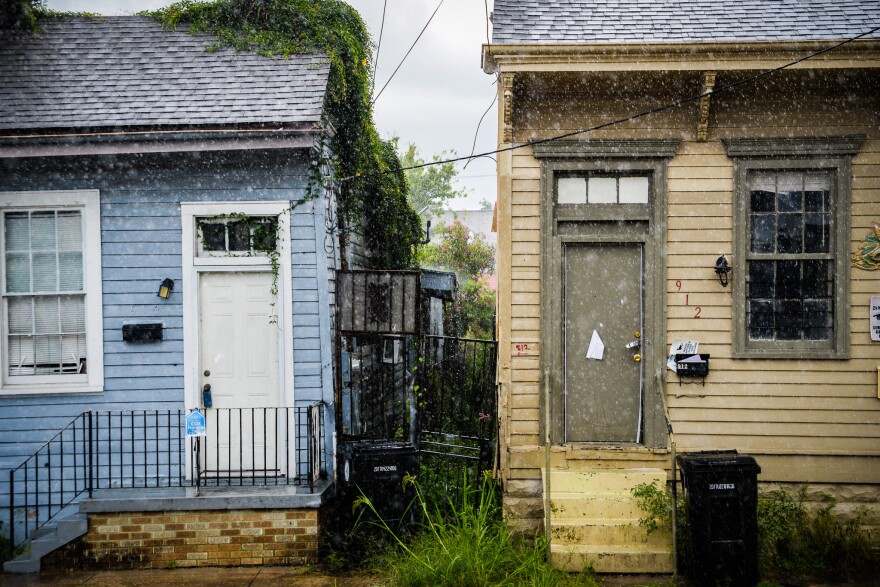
(91, 457)
(11, 514)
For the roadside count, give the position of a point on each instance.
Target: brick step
(606, 558)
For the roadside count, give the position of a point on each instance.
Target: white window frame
(88, 202)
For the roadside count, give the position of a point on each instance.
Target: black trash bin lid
(716, 461)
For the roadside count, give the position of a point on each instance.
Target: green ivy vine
(372, 192)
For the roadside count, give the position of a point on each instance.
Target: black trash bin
(377, 469)
(721, 496)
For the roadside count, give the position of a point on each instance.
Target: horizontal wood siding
(796, 412)
(141, 245)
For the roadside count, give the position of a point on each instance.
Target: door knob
(634, 344)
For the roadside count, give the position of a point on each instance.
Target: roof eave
(731, 55)
(78, 142)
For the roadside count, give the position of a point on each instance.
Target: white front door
(239, 360)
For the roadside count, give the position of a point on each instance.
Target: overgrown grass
(790, 538)
(465, 543)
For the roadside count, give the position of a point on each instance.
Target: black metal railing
(437, 392)
(457, 407)
(135, 449)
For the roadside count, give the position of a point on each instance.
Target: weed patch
(465, 543)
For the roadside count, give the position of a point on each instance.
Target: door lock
(637, 358)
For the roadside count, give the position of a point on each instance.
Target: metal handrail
(147, 449)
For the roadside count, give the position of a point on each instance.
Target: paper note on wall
(597, 348)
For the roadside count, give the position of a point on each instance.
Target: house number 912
(687, 299)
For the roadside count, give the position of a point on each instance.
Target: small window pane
(21, 315)
(763, 231)
(571, 190)
(761, 279)
(633, 190)
(817, 192)
(789, 319)
(817, 233)
(73, 314)
(45, 271)
(789, 196)
(761, 320)
(69, 231)
(817, 320)
(788, 279)
(18, 273)
(790, 233)
(18, 233)
(213, 236)
(239, 236)
(70, 272)
(762, 192)
(602, 190)
(265, 236)
(47, 315)
(817, 282)
(43, 231)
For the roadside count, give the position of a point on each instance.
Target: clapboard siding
(778, 407)
(141, 245)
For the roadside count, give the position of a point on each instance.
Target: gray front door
(603, 294)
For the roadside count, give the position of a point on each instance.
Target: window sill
(57, 389)
(792, 354)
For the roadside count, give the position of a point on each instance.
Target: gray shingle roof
(680, 21)
(129, 71)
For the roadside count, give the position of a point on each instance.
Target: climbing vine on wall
(370, 190)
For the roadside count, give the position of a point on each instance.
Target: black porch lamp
(722, 270)
(165, 288)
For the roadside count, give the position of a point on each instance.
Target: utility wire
(494, 98)
(675, 104)
(378, 48)
(407, 53)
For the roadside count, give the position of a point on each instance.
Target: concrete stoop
(49, 538)
(595, 521)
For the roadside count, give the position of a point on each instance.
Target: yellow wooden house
(642, 142)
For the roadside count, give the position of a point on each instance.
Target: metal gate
(396, 383)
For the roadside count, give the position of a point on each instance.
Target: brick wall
(128, 540)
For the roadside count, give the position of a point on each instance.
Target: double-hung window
(791, 247)
(51, 299)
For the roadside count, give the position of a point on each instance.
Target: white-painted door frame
(193, 266)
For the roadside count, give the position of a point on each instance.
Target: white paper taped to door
(597, 347)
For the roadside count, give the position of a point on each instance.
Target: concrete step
(603, 481)
(580, 506)
(50, 538)
(606, 558)
(607, 531)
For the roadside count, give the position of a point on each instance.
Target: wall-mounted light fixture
(165, 288)
(722, 270)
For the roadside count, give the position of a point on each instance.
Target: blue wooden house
(168, 244)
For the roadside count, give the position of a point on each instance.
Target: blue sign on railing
(195, 424)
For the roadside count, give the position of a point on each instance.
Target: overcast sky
(436, 98)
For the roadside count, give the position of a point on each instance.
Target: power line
(669, 106)
(407, 53)
(494, 98)
(378, 48)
